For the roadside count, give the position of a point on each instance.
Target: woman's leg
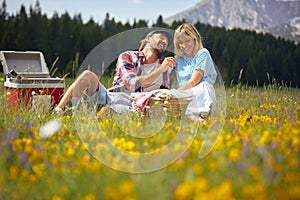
(87, 82)
(195, 118)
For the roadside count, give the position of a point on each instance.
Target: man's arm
(126, 73)
(148, 79)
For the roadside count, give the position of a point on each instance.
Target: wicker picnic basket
(166, 106)
(172, 108)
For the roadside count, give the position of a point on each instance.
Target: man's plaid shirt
(128, 68)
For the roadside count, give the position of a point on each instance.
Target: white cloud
(136, 1)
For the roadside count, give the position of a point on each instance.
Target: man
(136, 71)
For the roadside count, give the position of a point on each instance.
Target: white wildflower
(50, 128)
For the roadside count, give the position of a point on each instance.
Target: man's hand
(148, 79)
(168, 62)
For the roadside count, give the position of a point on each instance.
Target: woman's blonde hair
(190, 31)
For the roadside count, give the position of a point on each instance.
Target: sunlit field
(256, 156)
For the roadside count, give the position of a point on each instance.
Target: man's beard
(158, 52)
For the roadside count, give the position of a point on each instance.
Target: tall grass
(257, 155)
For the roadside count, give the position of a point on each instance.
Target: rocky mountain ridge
(277, 17)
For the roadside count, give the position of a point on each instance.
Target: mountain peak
(258, 15)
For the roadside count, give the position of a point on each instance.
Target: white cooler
(28, 82)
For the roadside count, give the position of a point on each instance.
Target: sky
(121, 10)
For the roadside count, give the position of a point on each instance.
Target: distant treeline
(65, 41)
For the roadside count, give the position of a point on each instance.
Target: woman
(195, 71)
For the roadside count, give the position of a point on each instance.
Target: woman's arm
(194, 80)
(202, 66)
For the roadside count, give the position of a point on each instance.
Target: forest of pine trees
(67, 39)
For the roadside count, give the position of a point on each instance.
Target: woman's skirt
(203, 98)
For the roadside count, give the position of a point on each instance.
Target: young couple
(146, 70)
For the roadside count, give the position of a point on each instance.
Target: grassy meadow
(257, 155)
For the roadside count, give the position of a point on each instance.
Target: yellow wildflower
(201, 184)
(127, 188)
(222, 191)
(184, 191)
(13, 172)
(234, 154)
(256, 191)
(39, 169)
(56, 197)
(90, 197)
(182, 46)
